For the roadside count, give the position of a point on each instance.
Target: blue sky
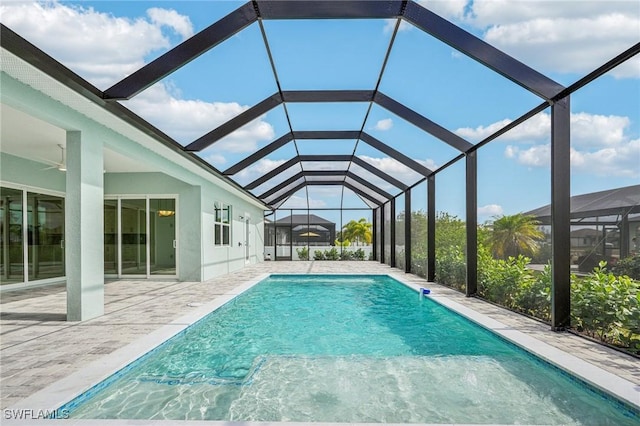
(103, 41)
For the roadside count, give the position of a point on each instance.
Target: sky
(104, 41)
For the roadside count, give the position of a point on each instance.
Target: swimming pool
(343, 349)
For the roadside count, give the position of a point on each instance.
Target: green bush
(451, 267)
(501, 281)
(607, 307)
(346, 255)
(303, 253)
(629, 266)
(332, 254)
(534, 296)
(318, 255)
(359, 254)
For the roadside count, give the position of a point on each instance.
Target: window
(222, 226)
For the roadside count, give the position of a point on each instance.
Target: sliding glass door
(162, 227)
(133, 215)
(140, 237)
(11, 235)
(31, 236)
(45, 221)
(111, 237)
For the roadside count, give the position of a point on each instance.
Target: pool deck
(38, 347)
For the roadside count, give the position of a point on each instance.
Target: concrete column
(84, 222)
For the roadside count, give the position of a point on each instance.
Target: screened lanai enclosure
(420, 124)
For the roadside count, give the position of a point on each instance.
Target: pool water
(344, 349)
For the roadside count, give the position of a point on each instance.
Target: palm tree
(357, 231)
(513, 235)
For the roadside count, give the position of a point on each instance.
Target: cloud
(384, 124)
(262, 167)
(296, 202)
(620, 161)
(490, 210)
(450, 9)
(587, 130)
(597, 130)
(188, 119)
(179, 23)
(560, 36)
(535, 156)
(91, 42)
(600, 144)
(397, 169)
(216, 160)
(484, 13)
(390, 25)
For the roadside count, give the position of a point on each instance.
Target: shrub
(359, 254)
(607, 306)
(332, 254)
(303, 253)
(534, 296)
(346, 255)
(501, 281)
(629, 266)
(318, 255)
(451, 268)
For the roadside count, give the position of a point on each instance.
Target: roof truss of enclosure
(280, 191)
(350, 170)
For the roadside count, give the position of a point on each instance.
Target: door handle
(174, 243)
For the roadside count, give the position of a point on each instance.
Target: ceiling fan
(62, 165)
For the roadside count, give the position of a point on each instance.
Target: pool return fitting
(423, 292)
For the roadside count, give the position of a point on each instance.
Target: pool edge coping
(65, 390)
(86, 377)
(595, 376)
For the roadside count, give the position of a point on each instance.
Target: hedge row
(604, 305)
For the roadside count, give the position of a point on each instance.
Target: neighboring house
(586, 237)
(605, 225)
(88, 190)
(298, 230)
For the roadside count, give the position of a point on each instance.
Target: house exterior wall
(195, 189)
(223, 259)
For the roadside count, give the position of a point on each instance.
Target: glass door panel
(45, 222)
(11, 239)
(111, 237)
(134, 236)
(162, 227)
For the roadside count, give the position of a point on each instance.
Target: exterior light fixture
(165, 208)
